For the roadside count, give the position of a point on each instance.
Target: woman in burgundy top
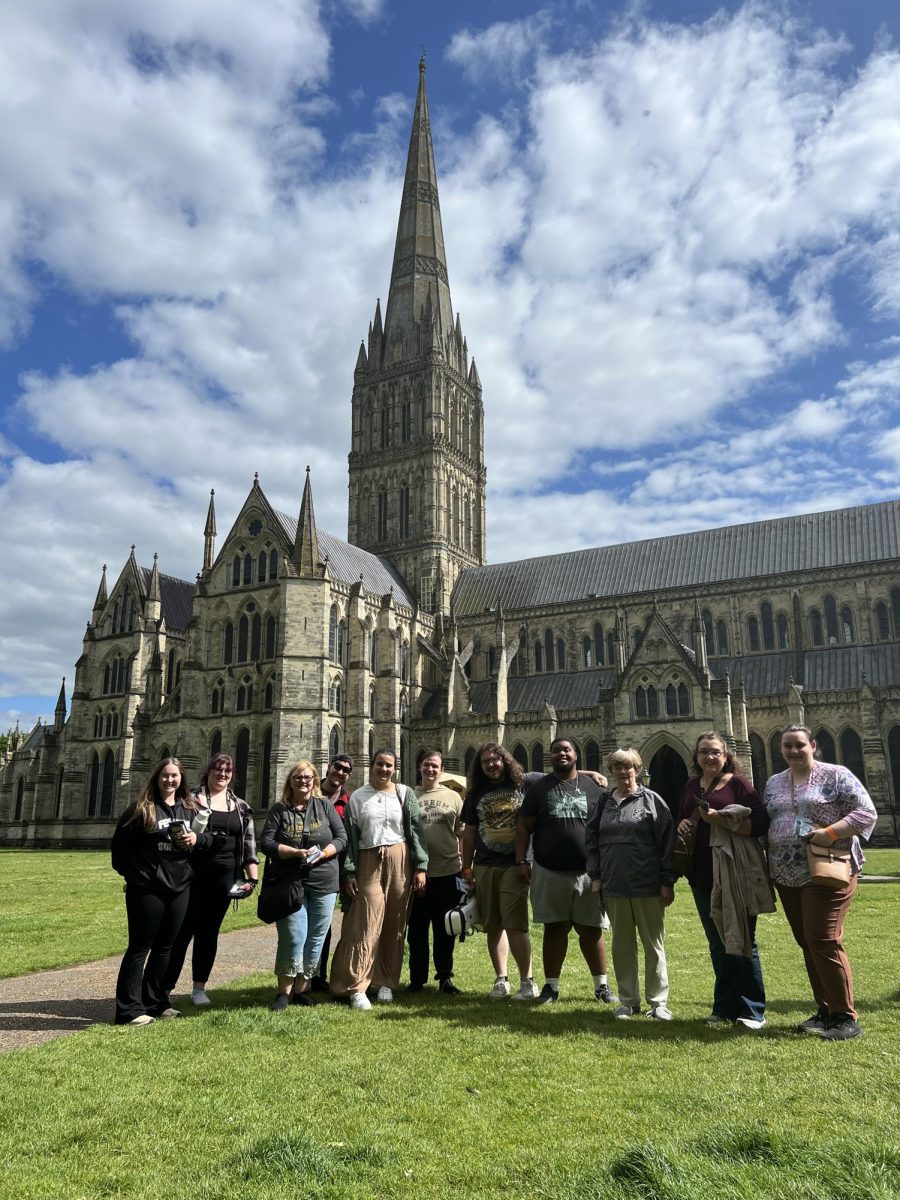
(739, 995)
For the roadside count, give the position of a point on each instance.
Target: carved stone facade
(292, 642)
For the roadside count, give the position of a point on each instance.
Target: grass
(65, 906)
(434, 1097)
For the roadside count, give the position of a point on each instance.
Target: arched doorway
(668, 775)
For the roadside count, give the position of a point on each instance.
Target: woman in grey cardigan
(304, 827)
(630, 842)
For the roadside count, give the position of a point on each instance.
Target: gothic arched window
(706, 618)
(882, 623)
(816, 633)
(548, 649)
(753, 633)
(768, 626)
(758, 762)
(847, 625)
(831, 621)
(273, 564)
(236, 571)
(598, 644)
(560, 655)
(852, 754)
(256, 638)
(784, 633)
(248, 568)
(520, 754)
(538, 658)
(261, 567)
(587, 652)
(825, 746)
(108, 784)
(243, 636)
(332, 633)
(721, 638)
(537, 757)
(271, 629)
(228, 644)
(778, 763)
(591, 755)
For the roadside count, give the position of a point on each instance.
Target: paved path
(50, 1004)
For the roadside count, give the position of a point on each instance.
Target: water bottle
(200, 821)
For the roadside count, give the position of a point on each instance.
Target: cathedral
(293, 642)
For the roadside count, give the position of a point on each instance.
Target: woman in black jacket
(231, 863)
(151, 848)
(303, 830)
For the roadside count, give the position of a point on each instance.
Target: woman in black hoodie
(151, 848)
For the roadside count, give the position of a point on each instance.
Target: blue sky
(673, 235)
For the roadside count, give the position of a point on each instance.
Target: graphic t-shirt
(561, 808)
(440, 809)
(493, 812)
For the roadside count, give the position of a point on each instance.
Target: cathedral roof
(841, 537)
(825, 669)
(348, 564)
(176, 595)
(563, 689)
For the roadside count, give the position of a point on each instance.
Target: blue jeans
(302, 934)
(739, 990)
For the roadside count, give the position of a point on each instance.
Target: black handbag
(280, 895)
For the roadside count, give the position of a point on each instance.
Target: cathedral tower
(417, 474)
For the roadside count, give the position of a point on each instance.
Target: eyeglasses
(711, 753)
(301, 779)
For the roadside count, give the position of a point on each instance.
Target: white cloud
(504, 49)
(651, 233)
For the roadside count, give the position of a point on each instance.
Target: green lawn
(66, 906)
(468, 1098)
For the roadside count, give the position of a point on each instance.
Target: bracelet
(831, 833)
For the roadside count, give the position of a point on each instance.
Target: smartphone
(176, 829)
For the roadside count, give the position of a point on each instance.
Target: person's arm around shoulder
(338, 841)
(592, 842)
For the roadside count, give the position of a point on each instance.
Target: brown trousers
(370, 952)
(816, 917)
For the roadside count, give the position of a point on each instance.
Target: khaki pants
(644, 915)
(370, 952)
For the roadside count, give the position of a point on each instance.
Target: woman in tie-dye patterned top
(827, 805)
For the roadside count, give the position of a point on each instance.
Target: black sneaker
(606, 995)
(281, 1002)
(415, 987)
(841, 1028)
(549, 995)
(449, 988)
(816, 1024)
(302, 998)
(318, 984)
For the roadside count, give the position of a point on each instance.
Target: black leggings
(153, 924)
(206, 911)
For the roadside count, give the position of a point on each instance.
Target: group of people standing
(591, 856)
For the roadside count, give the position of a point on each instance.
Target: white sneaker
(500, 990)
(360, 1001)
(385, 996)
(200, 998)
(659, 1012)
(751, 1022)
(623, 1012)
(143, 1019)
(528, 990)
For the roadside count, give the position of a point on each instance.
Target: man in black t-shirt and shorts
(555, 813)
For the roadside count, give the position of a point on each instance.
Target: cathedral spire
(102, 597)
(209, 533)
(306, 543)
(420, 264)
(59, 716)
